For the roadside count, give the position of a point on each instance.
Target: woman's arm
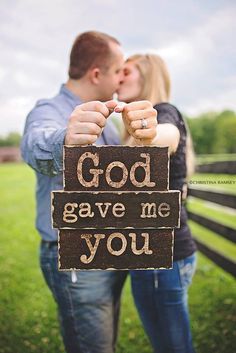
(166, 135)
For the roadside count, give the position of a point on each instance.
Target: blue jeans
(88, 304)
(161, 297)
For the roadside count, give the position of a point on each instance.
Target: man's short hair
(90, 49)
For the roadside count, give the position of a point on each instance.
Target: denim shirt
(42, 148)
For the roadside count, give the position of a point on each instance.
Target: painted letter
(123, 247)
(146, 167)
(145, 249)
(149, 206)
(118, 207)
(93, 249)
(68, 214)
(116, 184)
(164, 209)
(85, 210)
(99, 205)
(95, 172)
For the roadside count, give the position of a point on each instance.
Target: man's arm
(43, 138)
(46, 132)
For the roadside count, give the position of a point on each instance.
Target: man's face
(111, 78)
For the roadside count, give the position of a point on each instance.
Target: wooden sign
(115, 168)
(116, 249)
(115, 211)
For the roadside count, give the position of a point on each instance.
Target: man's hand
(87, 122)
(140, 119)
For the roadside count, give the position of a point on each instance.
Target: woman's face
(131, 85)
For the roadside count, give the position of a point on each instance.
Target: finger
(144, 133)
(80, 139)
(119, 108)
(137, 124)
(140, 114)
(111, 105)
(95, 106)
(85, 128)
(88, 116)
(137, 105)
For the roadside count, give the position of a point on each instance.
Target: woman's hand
(140, 120)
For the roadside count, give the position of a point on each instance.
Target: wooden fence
(220, 198)
(223, 167)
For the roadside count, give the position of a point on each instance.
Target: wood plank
(220, 167)
(219, 259)
(118, 249)
(225, 231)
(220, 198)
(117, 167)
(77, 210)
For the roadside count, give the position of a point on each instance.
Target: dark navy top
(184, 244)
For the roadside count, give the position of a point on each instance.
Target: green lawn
(216, 212)
(218, 182)
(220, 214)
(209, 158)
(28, 314)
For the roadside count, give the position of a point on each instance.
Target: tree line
(12, 139)
(213, 132)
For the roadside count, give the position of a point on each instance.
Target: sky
(196, 38)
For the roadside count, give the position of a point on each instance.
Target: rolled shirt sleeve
(43, 139)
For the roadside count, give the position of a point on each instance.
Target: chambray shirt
(42, 146)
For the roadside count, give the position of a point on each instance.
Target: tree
(12, 139)
(214, 132)
(226, 132)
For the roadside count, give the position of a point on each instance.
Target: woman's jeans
(161, 297)
(88, 304)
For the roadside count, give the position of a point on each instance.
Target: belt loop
(49, 244)
(156, 279)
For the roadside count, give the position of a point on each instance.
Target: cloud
(195, 39)
(13, 113)
(202, 64)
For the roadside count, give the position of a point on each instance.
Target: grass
(28, 320)
(215, 241)
(209, 158)
(218, 213)
(218, 182)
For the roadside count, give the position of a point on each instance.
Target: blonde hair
(156, 87)
(154, 76)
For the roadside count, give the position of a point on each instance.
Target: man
(88, 301)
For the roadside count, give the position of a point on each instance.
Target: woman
(161, 296)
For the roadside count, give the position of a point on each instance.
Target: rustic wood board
(116, 249)
(152, 168)
(77, 210)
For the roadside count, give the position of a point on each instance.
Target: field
(28, 320)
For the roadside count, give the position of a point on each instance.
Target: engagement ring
(143, 123)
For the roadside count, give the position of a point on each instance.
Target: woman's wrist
(132, 141)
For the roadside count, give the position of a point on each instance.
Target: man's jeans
(88, 304)
(161, 297)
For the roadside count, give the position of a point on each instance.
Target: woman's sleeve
(167, 114)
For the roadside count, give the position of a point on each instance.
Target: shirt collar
(64, 90)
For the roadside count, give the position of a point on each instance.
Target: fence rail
(225, 231)
(221, 167)
(219, 259)
(213, 196)
(228, 233)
